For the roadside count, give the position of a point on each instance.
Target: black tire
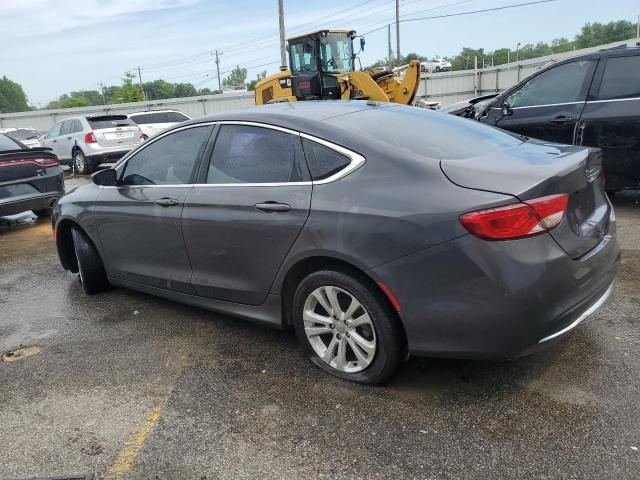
(93, 278)
(437, 69)
(390, 346)
(43, 212)
(82, 165)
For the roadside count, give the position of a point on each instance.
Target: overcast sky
(55, 46)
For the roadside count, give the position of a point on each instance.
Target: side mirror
(362, 44)
(506, 110)
(105, 178)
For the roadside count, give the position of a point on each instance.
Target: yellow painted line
(129, 453)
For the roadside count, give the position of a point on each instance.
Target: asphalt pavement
(125, 385)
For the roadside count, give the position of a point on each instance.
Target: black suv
(591, 100)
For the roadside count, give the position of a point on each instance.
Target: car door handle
(167, 202)
(54, 141)
(561, 120)
(68, 138)
(272, 207)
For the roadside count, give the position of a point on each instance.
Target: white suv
(153, 122)
(436, 65)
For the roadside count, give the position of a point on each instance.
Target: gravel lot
(130, 386)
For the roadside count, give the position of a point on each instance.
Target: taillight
(41, 162)
(90, 138)
(141, 136)
(519, 220)
(47, 162)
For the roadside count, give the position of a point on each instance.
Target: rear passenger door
(250, 203)
(549, 104)
(611, 120)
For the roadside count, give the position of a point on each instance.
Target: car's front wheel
(92, 274)
(347, 328)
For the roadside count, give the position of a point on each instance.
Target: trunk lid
(536, 169)
(18, 164)
(114, 131)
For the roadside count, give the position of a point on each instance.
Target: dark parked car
(373, 229)
(30, 179)
(591, 100)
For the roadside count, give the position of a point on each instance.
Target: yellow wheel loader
(322, 67)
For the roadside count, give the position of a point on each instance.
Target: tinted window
(176, 117)
(109, 121)
(76, 127)
(323, 161)
(302, 56)
(7, 144)
(145, 118)
(621, 78)
(244, 154)
(55, 130)
(167, 161)
(561, 84)
(66, 127)
(23, 134)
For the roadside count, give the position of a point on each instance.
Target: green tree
(236, 78)
(12, 97)
(185, 90)
(593, 34)
(72, 102)
(159, 89)
(128, 92)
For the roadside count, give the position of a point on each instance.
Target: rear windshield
(159, 117)
(111, 121)
(429, 133)
(7, 144)
(23, 134)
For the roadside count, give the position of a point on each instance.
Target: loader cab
(315, 60)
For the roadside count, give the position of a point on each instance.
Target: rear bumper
(35, 193)
(470, 298)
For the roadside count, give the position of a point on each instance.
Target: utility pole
(217, 54)
(390, 60)
(104, 99)
(398, 30)
(144, 97)
(283, 52)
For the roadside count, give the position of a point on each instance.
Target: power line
(463, 13)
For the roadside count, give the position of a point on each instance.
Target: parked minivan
(86, 142)
(153, 122)
(591, 100)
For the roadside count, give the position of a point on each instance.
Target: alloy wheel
(339, 329)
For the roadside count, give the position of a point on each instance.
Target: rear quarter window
(621, 78)
(322, 161)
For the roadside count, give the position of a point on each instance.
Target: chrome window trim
(598, 303)
(144, 145)
(356, 160)
(546, 105)
(630, 99)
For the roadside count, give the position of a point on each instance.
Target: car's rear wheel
(43, 212)
(93, 277)
(81, 163)
(346, 327)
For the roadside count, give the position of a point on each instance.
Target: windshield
(23, 134)
(336, 52)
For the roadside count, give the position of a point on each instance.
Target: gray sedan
(375, 230)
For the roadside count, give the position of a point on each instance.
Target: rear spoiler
(26, 151)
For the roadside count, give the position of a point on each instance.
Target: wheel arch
(64, 244)
(305, 266)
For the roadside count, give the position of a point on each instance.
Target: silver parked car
(436, 65)
(86, 142)
(27, 136)
(152, 123)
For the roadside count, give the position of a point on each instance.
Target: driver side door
(548, 105)
(138, 221)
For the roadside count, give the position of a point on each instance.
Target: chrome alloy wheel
(339, 329)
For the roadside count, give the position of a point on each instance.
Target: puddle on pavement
(20, 353)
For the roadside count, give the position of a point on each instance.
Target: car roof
(152, 111)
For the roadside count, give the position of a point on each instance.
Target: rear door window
(247, 154)
(170, 160)
(621, 78)
(66, 127)
(562, 84)
(77, 126)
